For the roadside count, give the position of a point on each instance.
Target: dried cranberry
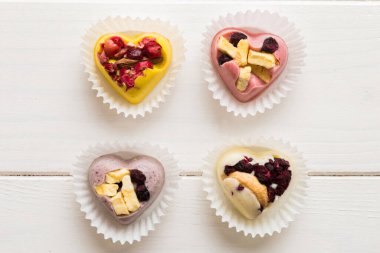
(248, 168)
(141, 66)
(223, 58)
(262, 174)
(128, 81)
(243, 165)
(102, 58)
(142, 193)
(240, 188)
(283, 178)
(118, 41)
(283, 163)
(152, 50)
(248, 159)
(146, 40)
(276, 165)
(138, 177)
(271, 194)
(111, 48)
(270, 45)
(280, 190)
(269, 166)
(229, 169)
(123, 71)
(134, 53)
(110, 68)
(236, 37)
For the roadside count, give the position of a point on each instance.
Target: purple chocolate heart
(149, 166)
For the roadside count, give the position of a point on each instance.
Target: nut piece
(106, 189)
(261, 73)
(251, 182)
(262, 59)
(242, 53)
(116, 176)
(119, 205)
(226, 47)
(244, 76)
(129, 194)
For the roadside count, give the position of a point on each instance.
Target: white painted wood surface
(48, 112)
(341, 215)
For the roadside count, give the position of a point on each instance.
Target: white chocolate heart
(245, 198)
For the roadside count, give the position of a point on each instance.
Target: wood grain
(341, 215)
(48, 113)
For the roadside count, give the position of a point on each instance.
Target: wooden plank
(40, 214)
(48, 113)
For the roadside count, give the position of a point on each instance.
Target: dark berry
(134, 53)
(270, 45)
(236, 37)
(283, 178)
(223, 58)
(229, 169)
(240, 188)
(138, 177)
(262, 174)
(283, 163)
(280, 190)
(244, 166)
(142, 193)
(269, 166)
(248, 159)
(120, 184)
(271, 194)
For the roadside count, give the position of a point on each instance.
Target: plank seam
(190, 174)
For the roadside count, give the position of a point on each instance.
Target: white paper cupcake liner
(126, 25)
(258, 21)
(99, 217)
(278, 214)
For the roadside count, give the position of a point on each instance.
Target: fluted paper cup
(99, 217)
(127, 25)
(278, 214)
(257, 21)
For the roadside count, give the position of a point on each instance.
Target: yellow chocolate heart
(143, 84)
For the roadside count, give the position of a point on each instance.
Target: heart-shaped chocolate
(133, 65)
(251, 179)
(248, 62)
(126, 187)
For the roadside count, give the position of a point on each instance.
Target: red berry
(128, 81)
(118, 41)
(102, 58)
(142, 65)
(109, 67)
(146, 40)
(111, 48)
(152, 50)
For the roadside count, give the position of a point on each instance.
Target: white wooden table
(48, 114)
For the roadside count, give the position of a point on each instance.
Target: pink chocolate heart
(229, 71)
(151, 167)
